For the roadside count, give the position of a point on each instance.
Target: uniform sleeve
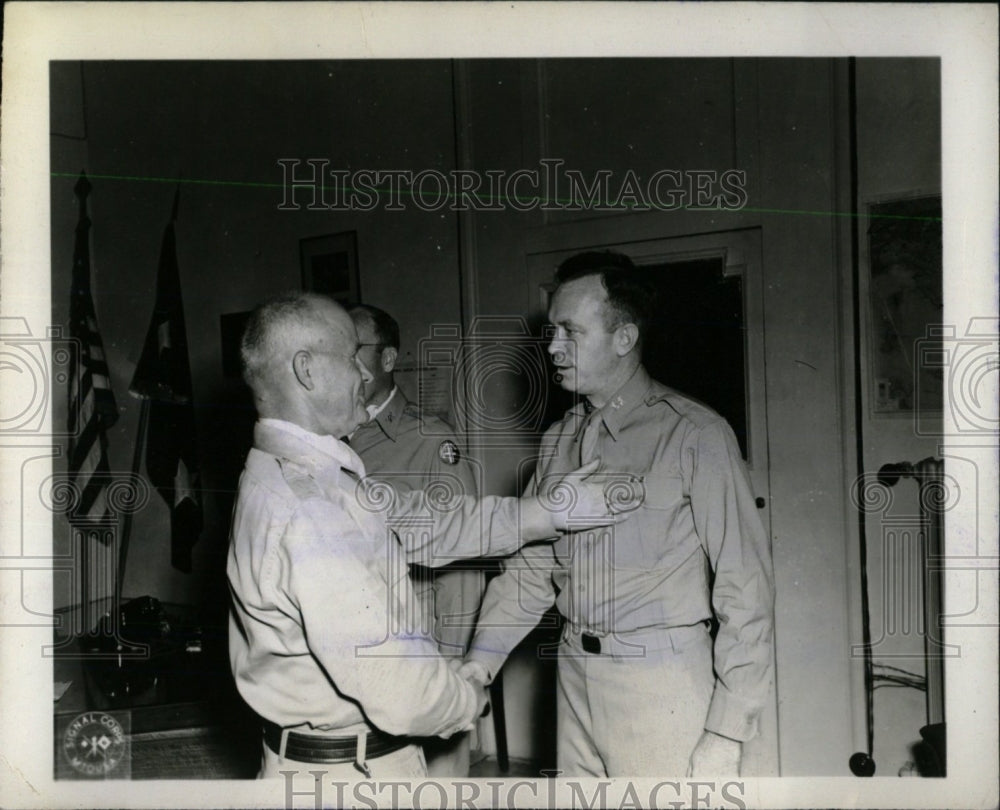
(437, 527)
(514, 602)
(738, 549)
(513, 605)
(400, 681)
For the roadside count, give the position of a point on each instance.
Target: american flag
(92, 408)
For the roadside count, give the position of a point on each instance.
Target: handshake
(477, 676)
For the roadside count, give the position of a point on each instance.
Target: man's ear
(626, 338)
(388, 360)
(302, 368)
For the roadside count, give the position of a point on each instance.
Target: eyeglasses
(378, 346)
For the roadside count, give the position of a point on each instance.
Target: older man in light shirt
(316, 600)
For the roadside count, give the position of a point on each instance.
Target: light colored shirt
(653, 570)
(317, 571)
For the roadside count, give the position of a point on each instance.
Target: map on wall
(906, 302)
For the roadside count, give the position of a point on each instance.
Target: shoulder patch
(448, 452)
(302, 485)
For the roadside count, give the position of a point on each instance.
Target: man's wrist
(474, 670)
(536, 521)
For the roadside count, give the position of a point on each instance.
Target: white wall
(899, 156)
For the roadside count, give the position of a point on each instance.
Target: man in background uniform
(411, 450)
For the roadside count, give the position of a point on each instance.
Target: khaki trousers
(638, 710)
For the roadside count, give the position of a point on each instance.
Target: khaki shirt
(652, 571)
(410, 449)
(318, 582)
(407, 450)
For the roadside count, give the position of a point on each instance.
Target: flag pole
(140, 447)
(81, 190)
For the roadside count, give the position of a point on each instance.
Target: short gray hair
(268, 329)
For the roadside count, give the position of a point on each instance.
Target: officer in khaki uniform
(411, 450)
(643, 689)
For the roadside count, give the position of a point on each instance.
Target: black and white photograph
(459, 405)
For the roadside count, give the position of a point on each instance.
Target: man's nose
(366, 375)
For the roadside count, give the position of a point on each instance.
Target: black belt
(592, 644)
(313, 748)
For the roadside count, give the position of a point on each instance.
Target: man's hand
(582, 499)
(579, 500)
(482, 701)
(475, 672)
(477, 676)
(715, 755)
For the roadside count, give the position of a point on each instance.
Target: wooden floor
(192, 754)
(489, 768)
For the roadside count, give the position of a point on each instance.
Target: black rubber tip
(862, 765)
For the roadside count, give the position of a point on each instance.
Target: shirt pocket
(645, 540)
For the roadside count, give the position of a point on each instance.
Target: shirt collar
(288, 440)
(375, 410)
(390, 414)
(622, 402)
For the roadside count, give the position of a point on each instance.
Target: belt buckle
(591, 644)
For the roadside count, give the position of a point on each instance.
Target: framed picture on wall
(905, 304)
(330, 266)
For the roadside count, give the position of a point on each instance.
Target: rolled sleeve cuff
(732, 716)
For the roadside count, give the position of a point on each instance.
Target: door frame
(741, 252)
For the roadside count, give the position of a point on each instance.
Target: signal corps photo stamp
(95, 745)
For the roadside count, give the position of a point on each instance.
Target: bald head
(299, 354)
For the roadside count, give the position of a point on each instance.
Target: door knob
(761, 503)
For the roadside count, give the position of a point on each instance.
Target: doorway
(696, 343)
